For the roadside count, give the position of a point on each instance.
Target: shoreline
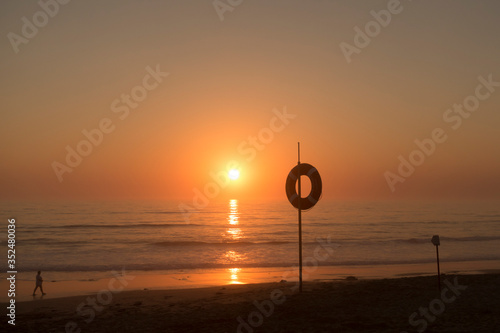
(205, 278)
(382, 305)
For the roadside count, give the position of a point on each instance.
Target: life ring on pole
(304, 169)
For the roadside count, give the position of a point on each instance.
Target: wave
(472, 238)
(184, 243)
(128, 242)
(181, 266)
(450, 239)
(117, 226)
(196, 243)
(143, 212)
(118, 212)
(54, 242)
(488, 215)
(162, 212)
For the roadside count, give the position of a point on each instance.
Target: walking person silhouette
(39, 281)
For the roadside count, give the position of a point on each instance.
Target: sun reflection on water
(233, 217)
(233, 234)
(234, 275)
(232, 256)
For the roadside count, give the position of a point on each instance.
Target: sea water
(89, 238)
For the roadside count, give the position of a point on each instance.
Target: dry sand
(339, 306)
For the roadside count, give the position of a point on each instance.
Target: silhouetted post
(300, 223)
(435, 241)
(293, 189)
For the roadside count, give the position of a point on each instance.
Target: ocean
(89, 238)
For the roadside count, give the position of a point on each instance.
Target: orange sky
(225, 78)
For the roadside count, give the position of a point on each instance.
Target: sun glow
(234, 174)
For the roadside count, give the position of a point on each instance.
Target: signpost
(435, 241)
(300, 218)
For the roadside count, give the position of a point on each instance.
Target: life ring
(308, 170)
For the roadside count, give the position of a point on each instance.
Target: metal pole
(439, 274)
(300, 225)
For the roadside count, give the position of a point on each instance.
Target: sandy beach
(467, 303)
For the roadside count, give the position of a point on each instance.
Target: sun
(234, 174)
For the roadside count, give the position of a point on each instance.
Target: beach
(467, 303)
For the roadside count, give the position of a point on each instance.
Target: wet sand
(467, 303)
(58, 285)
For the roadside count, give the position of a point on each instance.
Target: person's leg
(34, 291)
(41, 288)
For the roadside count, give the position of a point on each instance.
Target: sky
(158, 99)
